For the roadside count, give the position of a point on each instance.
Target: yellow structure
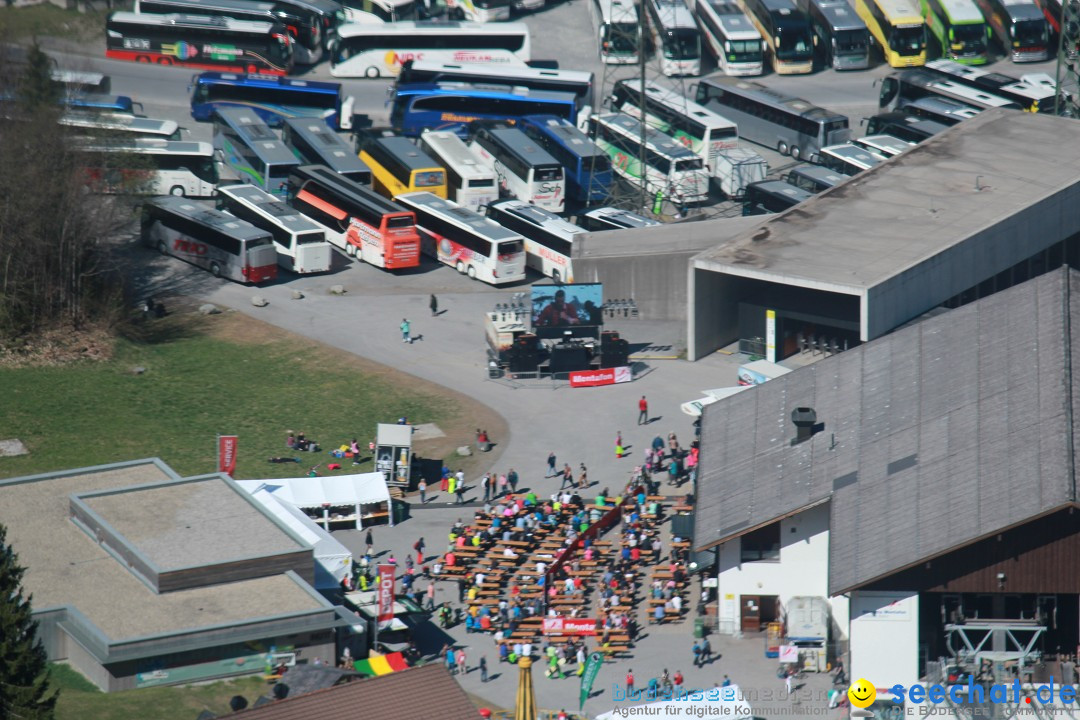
(526, 696)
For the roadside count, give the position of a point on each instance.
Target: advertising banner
(569, 626)
(386, 595)
(592, 669)
(606, 376)
(227, 454)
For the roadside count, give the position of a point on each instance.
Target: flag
(381, 665)
(386, 595)
(592, 669)
(227, 454)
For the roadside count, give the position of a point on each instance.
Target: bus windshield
(310, 238)
(688, 165)
(908, 39)
(401, 221)
(205, 169)
(743, 50)
(1030, 33)
(430, 179)
(598, 163)
(973, 37)
(507, 250)
(620, 38)
(851, 41)
(682, 44)
(548, 174)
(795, 43)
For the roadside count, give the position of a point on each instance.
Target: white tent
(333, 560)
(711, 704)
(355, 494)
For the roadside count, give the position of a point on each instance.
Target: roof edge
(752, 528)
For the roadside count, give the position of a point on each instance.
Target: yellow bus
(899, 28)
(398, 166)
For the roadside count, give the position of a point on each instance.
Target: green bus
(960, 29)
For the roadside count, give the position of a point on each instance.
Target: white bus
(210, 239)
(705, 132)
(884, 145)
(380, 50)
(468, 182)
(670, 168)
(481, 11)
(122, 125)
(675, 36)
(549, 240)
(466, 240)
(300, 242)
(525, 170)
(609, 218)
(618, 30)
(731, 37)
(849, 158)
(380, 11)
(154, 167)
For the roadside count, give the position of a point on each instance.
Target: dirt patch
(60, 346)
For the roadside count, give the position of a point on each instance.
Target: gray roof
(937, 435)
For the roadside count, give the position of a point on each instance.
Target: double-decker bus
(468, 182)
(609, 218)
(380, 50)
(398, 166)
(906, 86)
(663, 166)
(787, 34)
(381, 11)
(199, 41)
(842, 37)
(587, 167)
(299, 241)
(149, 166)
(207, 238)
(697, 127)
(524, 169)
(731, 37)
(788, 124)
(848, 158)
(272, 98)
(315, 144)
(772, 196)
(481, 11)
(549, 240)
(676, 37)
(1029, 96)
(252, 150)
(121, 125)
(618, 30)
(304, 28)
(454, 106)
(899, 29)
(364, 224)
(466, 240)
(1020, 27)
(960, 30)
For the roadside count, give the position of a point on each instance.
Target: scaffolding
(1067, 101)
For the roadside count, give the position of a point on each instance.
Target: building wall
(884, 636)
(81, 659)
(713, 317)
(803, 570)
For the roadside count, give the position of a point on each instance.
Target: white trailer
(736, 168)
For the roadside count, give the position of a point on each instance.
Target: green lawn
(49, 20)
(208, 375)
(81, 700)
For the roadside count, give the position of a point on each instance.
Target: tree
(37, 88)
(24, 677)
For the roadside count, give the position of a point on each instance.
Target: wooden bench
(611, 651)
(684, 545)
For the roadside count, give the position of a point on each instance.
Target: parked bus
(940, 110)
(481, 11)
(787, 34)
(93, 102)
(618, 30)
(903, 126)
(578, 82)
(77, 82)
(609, 218)
(908, 86)
(670, 169)
(454, 106)
(588, 168)
(731, 37)
(272, 98)
(813, 178)
(207, 238)
(790, 125)
(698, 128)
(380, 50)
(364, 224)
(675, 36)
(398, 166)
(300, 242)
(466, 240)
(772, 196)
(848, 158)
(1029, 96)
(122, 125)
(884, 145)
(842, 37)
(524, 169)
(899, 29)
(381, 11)
(199, 41)
(1020, 27)
(960, 30)
(149, 166)
(305, 29)
(549, 240)
(468, 182)
(252, 150)
(1052, 11)
(315, 144)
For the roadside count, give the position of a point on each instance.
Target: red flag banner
(569, 626)
(227, 454)
(386, 594)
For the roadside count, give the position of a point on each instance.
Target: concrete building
(140, 577)
(984, 205)
(943, 457)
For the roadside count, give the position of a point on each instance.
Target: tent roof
(324, 543)
(318, 491)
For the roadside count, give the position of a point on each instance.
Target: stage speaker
(615, 353)
(524, 354)
(568, 359)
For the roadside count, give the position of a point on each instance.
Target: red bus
(365, 225)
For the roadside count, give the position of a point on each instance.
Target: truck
(884, 645)
(808, 629)
(738, 167)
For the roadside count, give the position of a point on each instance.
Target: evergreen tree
(37, 89)
(24, 680)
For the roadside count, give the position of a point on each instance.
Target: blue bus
(271, 97)
(102, 103)
(453, 106)
(588, 168)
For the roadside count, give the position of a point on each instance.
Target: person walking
(483, 665)
(512, 478)
(462, 668)
(643, 411)
(706, 651)
(629, 683)
(369, 541)
(434, 305)
(451, 660)
(404, 330)
(697, 655)
(567, 477)
(619, 451)
(431, 596)
(422, 487)
(677, 680)
(453, 485)
(460, 492)
(419, 546)
(551, 464)
(485, 484)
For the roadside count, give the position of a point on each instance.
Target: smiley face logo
(862, 694)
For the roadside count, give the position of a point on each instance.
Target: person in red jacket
(643, 411)
(629, 682)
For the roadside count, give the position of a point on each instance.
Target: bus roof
(538, 216)
(654, 139)
(779, 187)
(451, 29)
(120, 121)
(346, 187)
(154, 146)
(317, 134)
(449, 147)
(76, 77)
(962, 12)
(944, 106)
(98, 100)
(566, 134)
(732, 20)
(193, 21)
(962, 93)
(1023, 9)
(285, 216)
(673, 15)
(222, 222)
(259, 137)
(483, 90)
(625, 218)
(756, 90)
(246, 6)
(823, 175)
(901, 118)
(521, 145)
(486, 70)
(900, 12)
(840, 15)
(477, 222)
(406, 153)
(851, 151)
(618, 11)
(254, 80)
(700, 113)
(322, 7)
(991, 81)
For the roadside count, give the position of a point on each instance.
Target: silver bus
(675, 36)
(252, 150)
(940, 110)
(884, 145)
(814, 178)
(901, 125)
(300, 242)
(314, 143)
(842, 37)
(907, 85)
(788, 124)
(849, 158)
(609, 218)
(772, 196)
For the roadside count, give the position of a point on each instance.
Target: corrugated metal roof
(936, 435)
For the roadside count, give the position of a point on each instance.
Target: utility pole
(1067, 100)
(643, 204)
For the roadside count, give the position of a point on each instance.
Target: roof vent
(806, 424)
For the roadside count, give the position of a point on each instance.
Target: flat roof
(912, 207)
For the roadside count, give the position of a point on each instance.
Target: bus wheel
(215, 270)
(142, 59)
(350, 250)
(372, 72)
(795, 152)
(782, 147)
(164, 61)
(472, 273)
(162, 248)
(176, 191)
(460, 267)
(556, 276)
